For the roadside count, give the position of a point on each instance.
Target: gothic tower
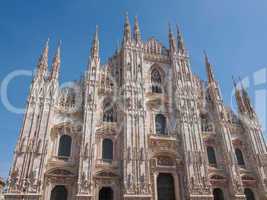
(140, 126)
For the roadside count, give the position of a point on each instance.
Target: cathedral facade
(140, 127)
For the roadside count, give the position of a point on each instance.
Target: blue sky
(234, 33)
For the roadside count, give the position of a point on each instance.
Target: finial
(170, 28)
(234, 82)
(241, 82)
(178, 31)
(206, 57)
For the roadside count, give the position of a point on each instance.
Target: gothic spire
(137, 34)
(43, 61)
(172, 41)
(180, 40)
(209, 69)
(239, 99)
(56, 62)
(127, 29)
(246, 99)
(95, 46)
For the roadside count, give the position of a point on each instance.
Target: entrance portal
(59, 193)
(165, 187)
(106, 193)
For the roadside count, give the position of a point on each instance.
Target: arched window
(160, 122)
(64, 148)
(218, 194)
(211, 155)
(106, 193)
(156, 81)
(239, 157)
(249, 194)
(107, 149)
(59, 193)
(165, 187)
(109, 112)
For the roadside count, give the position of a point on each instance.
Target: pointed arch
(106, 193)
(218, 194)
(107, 149)
(239, 157)
(211, 155)
(160, 122)
(64, 148)
(249, 194)
(59, 193)
(165, 187)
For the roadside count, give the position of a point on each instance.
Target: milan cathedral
(140, 127)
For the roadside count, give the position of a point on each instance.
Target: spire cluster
(176, 44)
(42, 66)
(127, 36)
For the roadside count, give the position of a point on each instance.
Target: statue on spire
(137, 33)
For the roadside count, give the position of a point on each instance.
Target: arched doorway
(249, 194)
(59, 193)
(106, 193)
(218, 194)
(165, 187)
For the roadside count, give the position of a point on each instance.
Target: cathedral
(141, 126)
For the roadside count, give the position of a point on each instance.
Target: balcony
(61, 161)
(163, 143)
(107, 163)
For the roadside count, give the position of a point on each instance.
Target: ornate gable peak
(153, 46)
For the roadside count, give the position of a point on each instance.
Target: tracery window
(211, 155)
(64, 148)
(156, 81)
(107, 149)
(160, 122)
(110, 114)
(239, 157)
